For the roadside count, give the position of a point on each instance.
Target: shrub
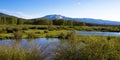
(12, 30)
(42, 27)
(32, 27)
(51, 28)
(9, 30)
(46, 31)
(25, 28)
(1, 31)
(38, 32)
(17, 35)
(31, 36)
(62, 36)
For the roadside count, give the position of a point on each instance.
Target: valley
(57, 38)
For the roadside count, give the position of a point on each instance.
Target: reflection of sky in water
(98, 33)
(51, 42)
(6, 42)
(24, 43)
(46, 46)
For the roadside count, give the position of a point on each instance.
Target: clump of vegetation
(42, 27)
(25, 28)
(100, 50)
(62, 36)
(31, 36)
(37, 32)
(51, 28)
(67, 54)
(17, 35)
(16, 53)
(50, 36)
(89, 48)
(46, 31)
(69, 50)
(70, 35)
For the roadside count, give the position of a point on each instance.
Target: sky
(97, 9)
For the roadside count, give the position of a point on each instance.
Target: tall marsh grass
(73, 48)
(17, 52)
(90, 48)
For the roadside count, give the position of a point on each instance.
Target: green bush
(17, 35)
(25, 28)
(31, 35)
(62, 36)
(42, 27)
(46, 31)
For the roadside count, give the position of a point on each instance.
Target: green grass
(35, 33)
(75, 48)
(15, 53)
(54, 27)
(6, 35)
(90, 48)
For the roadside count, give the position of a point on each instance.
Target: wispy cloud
(17, 13)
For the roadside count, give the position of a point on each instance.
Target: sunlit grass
(16, 53)
(90, 48)
(36, 33)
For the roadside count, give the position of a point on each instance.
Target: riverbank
(37, 31)
(74, 48)
(33, 33)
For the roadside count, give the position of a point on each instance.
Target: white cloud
(16, 13)
(23, 15)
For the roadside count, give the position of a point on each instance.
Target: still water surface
(98, 33)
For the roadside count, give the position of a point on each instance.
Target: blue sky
(98, 9)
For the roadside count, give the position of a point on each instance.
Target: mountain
(2, 14)
(97, 21)
(86, 20)
(7, 15)
(55, 16)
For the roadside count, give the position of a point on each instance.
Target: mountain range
(86, 20)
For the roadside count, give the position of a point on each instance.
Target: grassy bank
(16, 53)
(90, 48)
(33, 33)
(73, 48)
(4, 28)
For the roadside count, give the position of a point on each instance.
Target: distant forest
(11, 20)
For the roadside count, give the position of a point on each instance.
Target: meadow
(36, 31)
(76, 47)
(72, 46)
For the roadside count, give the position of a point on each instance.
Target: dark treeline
(10, 20)
(42, 21)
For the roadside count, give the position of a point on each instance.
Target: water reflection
(24, 43)
(98, 33)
